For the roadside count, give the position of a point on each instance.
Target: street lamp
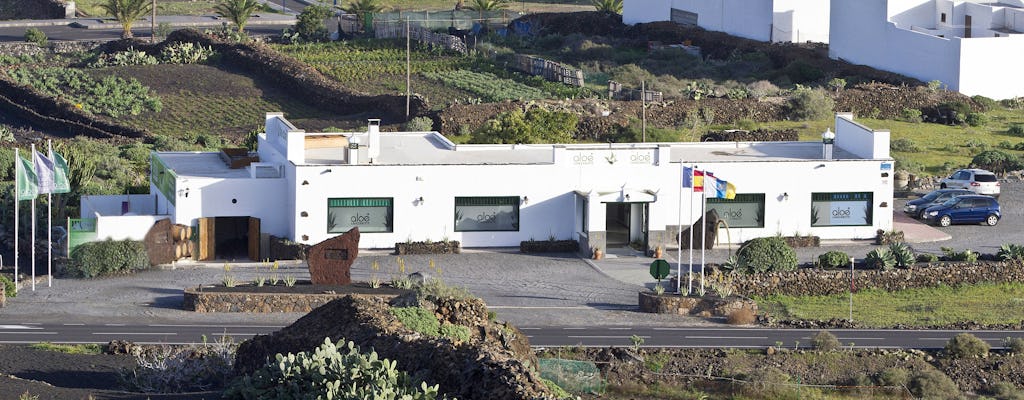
(827, 140)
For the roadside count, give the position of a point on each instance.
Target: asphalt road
(550, 336)
(67, 33)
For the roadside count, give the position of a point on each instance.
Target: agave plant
(880, 258)
(903, 255)
(1009, 252)
(608, 6)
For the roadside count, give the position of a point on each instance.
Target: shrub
(933, 384)
(186, 53)
(1016, 130)
(742, 316)
(770, 383)
(825, 341)
(894, 376)
(800, 71)
(903, 255)
(183, 369)
(34, 35)
(1010, 251)
(904, 145)
(809, 104)
(833, 259)
(967, 255)
(934, 85)
(420, 124)
(986, 103)
(837, 84)
(912, 115)
(761, 89)
(9, 289)
(966, 345)
(108, 257)
(1006, 391)
(457, 332)
(996, 161)
(955, 111)
(1015, 103)
(534, 126)
(766, 254)
(556, 390)
(1014, 344)
(880, 258)
(418, 319)
(330, 371)
(122, 58)
(310, 25)
(976, 119)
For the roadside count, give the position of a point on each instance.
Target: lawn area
(982, 303)
(163, 7)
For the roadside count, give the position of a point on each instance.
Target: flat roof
(754, 152)
(200, 164)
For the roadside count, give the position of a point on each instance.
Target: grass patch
(163, 7)
(89, 349)
(982, 303)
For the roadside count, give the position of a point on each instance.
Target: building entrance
(626, 223)
(229, 238)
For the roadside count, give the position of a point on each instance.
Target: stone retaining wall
(814, 282)
(204, 302)
(18, 49)
(699, 306)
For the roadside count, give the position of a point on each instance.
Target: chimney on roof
(828, 140)
(373, 134)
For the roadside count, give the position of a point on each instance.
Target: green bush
(122, 58)
(766, 254)
(933, 384)
(1006, 391)
(186, 53)
(457, 332)
(997, 161)
(833, 259)
(825, 341)
(967, 255)
(957, 111)
(976, 119)
(9, 289)
(330, 371)
(310, 25)
(986, 103)
(808, 104)
(880, 258)
(800, 71)
(1009, 251)
(534, 126)
(894, 376)
(108, 257)
(418, 319)
(903, 255)
(904, 145)
(966, 345)
(1016, 130)
(109, 95)
(34, 35)
(420, 124)
(911, 115)
(1014, 344)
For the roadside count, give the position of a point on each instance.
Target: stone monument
(330, 261)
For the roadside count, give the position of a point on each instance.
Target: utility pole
(152, 23)
(408, 68)
(643, 111)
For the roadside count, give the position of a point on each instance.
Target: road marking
(31, 333)
(540, 307)
(861, 338)
(725, 337)
(605, 337)
(216, 326)
(135, 333)
(529, 329)
(235, 334)
(74, 324)
(18, 327)
(573, 329)
(113, 324)
(620, 329)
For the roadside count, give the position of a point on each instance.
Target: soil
(305, 287)
(60, 376)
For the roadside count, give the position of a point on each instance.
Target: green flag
(60, 173)
(27, 182)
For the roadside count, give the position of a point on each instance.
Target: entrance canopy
(624, 195)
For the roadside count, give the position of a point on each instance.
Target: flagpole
(49, 225)
(704, 227)
(17, 164)
(34, 232)
(679, 234)
(689, 266)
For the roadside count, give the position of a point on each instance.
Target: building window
(842, 209)
(473, 214)
(745, 211)
(942, 18)
(368, 214)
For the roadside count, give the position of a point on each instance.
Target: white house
(763, 20)
(973, 47)
(399, 186)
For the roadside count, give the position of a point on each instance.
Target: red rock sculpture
(330, 261)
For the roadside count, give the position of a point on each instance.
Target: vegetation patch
(89, 349)
(108, 257)
(109, 95)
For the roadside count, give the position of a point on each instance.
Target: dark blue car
(916, 207)
(965, 209)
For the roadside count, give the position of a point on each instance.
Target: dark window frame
(360, 202)
(867, 197)
(744, 198)
(476, 201)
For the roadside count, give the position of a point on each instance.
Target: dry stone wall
(814, 282)
(207, 302)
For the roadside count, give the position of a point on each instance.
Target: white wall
(804, 20)
(244, 197)
(133, 227)
(643, 11)
(859, 139)
(111, 205)
(991, 67)
(750, 19)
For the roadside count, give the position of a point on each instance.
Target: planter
(598, 254)
(443, 247)
(549, 246)
(699, 306)
(802, 241)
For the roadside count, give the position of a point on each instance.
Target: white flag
(44, 172)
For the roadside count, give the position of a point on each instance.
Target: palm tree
(363, 7)
(608, 6)
(238, 11)
(486, 5)
(126, 12)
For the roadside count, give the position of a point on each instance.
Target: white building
(973, 47)
(763, 20)
(418, 185)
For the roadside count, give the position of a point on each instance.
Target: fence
(397, 29)
(550, 70)
(617, 91)
(80, 230)
(462, 19)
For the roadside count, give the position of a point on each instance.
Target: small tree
(810, 104)
(34, 35)
(825, 341)
(310, 25)
(483, 6)
(966, 345)
(996, 161)
(837, 84)
(238, 11)
(126, 12)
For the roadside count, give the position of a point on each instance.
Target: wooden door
(254, 239)
(967, 26)
(207, 239)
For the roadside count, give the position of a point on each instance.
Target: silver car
(976, 180)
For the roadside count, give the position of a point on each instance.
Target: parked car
(916, 207)
(976, 180)
(971, 208)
